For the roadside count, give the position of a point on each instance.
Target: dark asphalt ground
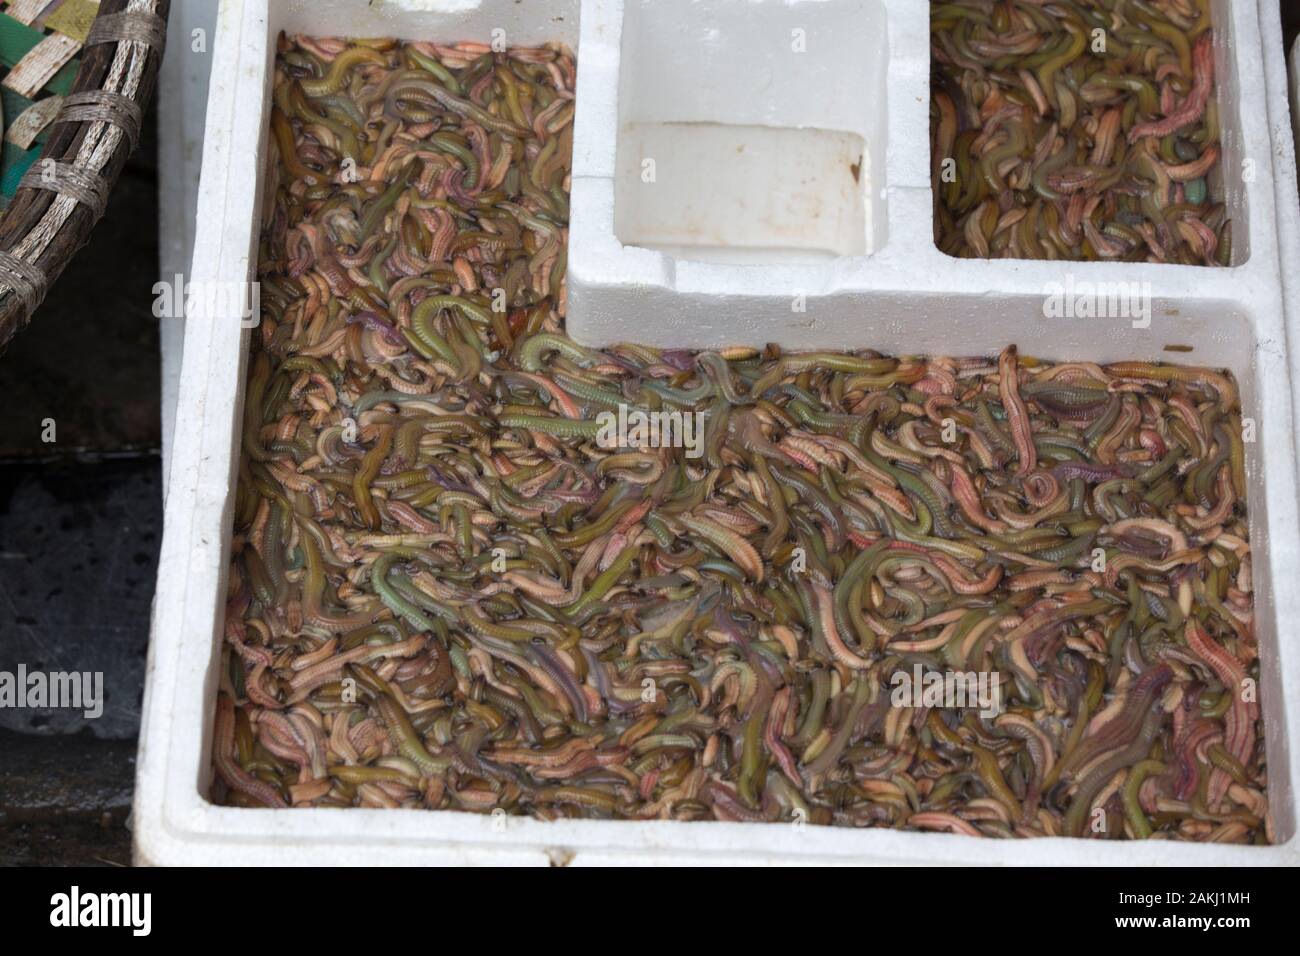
(80, 524)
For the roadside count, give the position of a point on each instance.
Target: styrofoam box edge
(175, 824)
(182, 105)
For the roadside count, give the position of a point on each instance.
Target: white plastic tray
(903, 296)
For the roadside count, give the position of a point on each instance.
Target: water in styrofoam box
(1226, 179)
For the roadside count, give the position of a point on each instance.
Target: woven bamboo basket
(88, 133)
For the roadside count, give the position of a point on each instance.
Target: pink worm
(1193, 106)
(1017, 415)
(1239, 721)
(772, 736)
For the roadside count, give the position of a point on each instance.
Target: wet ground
(80, 523)
(65, 800)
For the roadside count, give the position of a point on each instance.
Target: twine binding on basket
(140, 26)
(24, 278)
(106, 106)
(87, 188)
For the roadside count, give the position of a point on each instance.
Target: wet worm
(448, 591)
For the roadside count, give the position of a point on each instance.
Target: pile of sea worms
(1076, 129)
(447, 592)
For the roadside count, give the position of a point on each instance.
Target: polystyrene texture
(182, 102)
(904, 296)
(746, 131)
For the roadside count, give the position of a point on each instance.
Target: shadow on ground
(80, 523)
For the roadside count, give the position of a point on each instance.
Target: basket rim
(58, 203)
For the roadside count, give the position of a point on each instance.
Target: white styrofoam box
(902, 297)
(182, 107)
